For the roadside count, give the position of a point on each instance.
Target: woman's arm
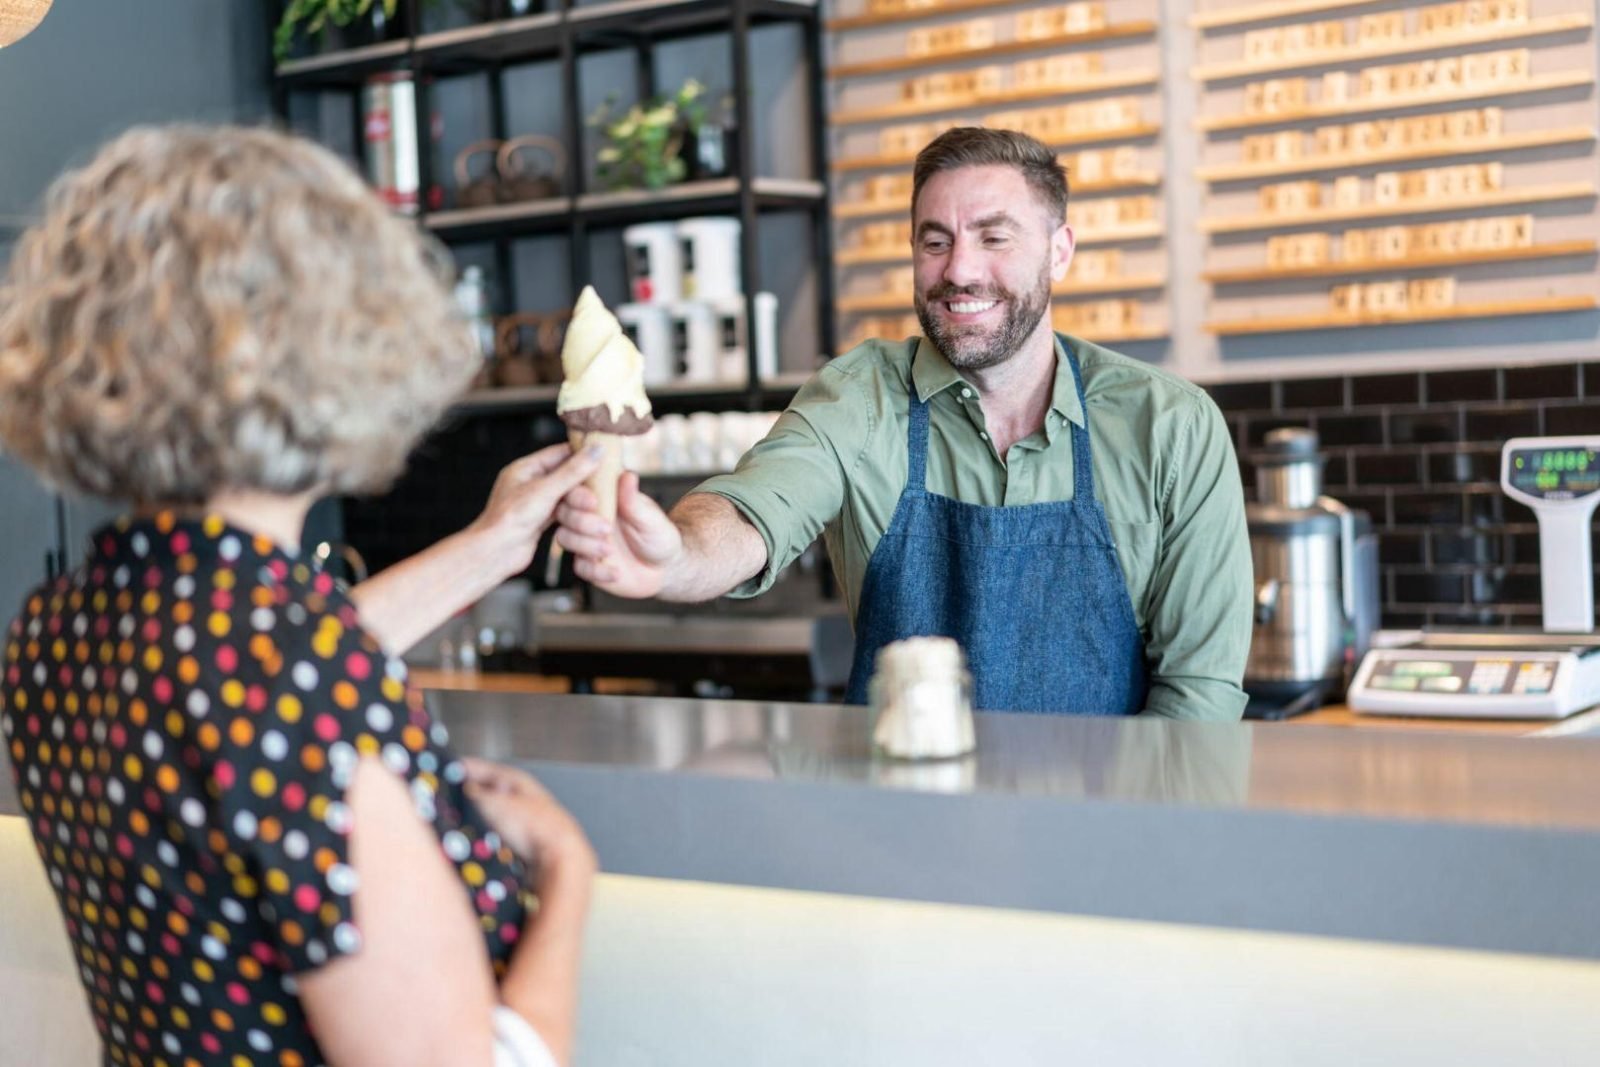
(541, 984)
(420, 990)
(409, 600)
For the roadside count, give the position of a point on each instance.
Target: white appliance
(1511, 675)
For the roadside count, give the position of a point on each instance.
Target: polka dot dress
(183, 716)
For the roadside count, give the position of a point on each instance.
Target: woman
(263, 850)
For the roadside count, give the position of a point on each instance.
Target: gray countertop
(1445, 840)
(1424, 838)
(652, 632)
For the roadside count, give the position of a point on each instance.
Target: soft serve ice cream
(602, 393)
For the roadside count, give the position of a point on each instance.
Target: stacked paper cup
(688, 314)
(698, 444)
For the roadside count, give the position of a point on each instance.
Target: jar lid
(1286, 445)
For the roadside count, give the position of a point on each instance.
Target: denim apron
(1033, 593)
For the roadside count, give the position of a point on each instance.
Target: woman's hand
(542, 833)
(524, 498)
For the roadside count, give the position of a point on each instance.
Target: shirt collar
(932, 374)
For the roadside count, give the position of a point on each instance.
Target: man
(951, 477)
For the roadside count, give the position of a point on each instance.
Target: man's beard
(971, 348)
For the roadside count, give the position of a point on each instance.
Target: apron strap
(917, 443)
(1082, 454)
(1082, 451)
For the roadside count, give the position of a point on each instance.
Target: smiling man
(1072, 516)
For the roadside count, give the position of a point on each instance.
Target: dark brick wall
(1420, 453)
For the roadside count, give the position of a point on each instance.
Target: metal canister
(389, 126)
(1316, 576)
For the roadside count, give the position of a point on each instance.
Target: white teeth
(972, 308)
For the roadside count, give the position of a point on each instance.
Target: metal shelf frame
(562, 35)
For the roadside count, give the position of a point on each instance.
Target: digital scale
(1507, 674)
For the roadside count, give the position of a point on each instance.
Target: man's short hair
(979, 146)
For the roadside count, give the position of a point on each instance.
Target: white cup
(673, 442)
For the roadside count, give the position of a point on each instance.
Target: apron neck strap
(917, 443)
(1082, 454)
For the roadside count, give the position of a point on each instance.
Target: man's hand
(523, 501)
(630, 559)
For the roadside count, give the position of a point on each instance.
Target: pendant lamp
(19, 17)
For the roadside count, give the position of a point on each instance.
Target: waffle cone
(605, 478)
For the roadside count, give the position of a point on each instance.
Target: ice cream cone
(605, 479)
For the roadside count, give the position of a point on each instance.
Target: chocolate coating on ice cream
(597, 419)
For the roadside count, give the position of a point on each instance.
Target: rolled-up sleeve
(792, 484)
(1201, 591)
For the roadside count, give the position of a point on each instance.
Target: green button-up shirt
(835, 464)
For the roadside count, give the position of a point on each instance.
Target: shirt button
(983, 435)
(966, 394)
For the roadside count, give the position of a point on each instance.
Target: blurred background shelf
(1124, 133)
(1411, 44)
(1439, 205)
(528, 39)
(931, 11)
(1540, 83)
(347, 69)
(894, 64)
(667, 19)
(1245, 14)
(1553, 250)
(1320, 164)
(1329, 321)
(1083, 87)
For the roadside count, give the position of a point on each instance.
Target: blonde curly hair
(218, 308)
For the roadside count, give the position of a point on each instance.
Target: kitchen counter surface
(1426, 838)
(1411, 837)
(1337, 715)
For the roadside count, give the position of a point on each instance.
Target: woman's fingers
(539, 463)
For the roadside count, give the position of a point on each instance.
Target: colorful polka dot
(184, 714)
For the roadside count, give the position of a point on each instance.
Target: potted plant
(644, 146)
(376, 19)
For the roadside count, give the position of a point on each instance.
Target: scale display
(1482, 676)
(1506, 676)
(1555, 473)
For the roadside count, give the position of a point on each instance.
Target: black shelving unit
(564, 34)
